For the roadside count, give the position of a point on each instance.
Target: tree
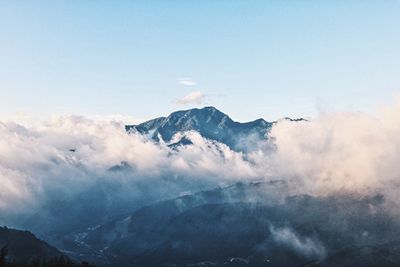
(3, 255)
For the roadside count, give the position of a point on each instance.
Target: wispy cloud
(196, 97)
(303, 245)
(186, 81)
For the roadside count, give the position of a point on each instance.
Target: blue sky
(248, 58)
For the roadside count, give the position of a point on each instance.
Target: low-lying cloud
(342, 151)
(72, 153)
(65, 155)
(306, 246)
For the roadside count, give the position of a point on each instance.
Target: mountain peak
(208, 121)
(205, 111)
(211, 109)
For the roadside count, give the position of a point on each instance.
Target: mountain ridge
(25, 246)
(210, 123)
(273, 230)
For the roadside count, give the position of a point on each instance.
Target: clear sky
(248, 58)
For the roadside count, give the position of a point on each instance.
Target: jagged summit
(208, 122)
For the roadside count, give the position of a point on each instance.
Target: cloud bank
(66, 155)
(341, 151)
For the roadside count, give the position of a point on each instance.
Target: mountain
(249, 225)
(23, 246)
(22, 249)
(209, 122)
(93, 243)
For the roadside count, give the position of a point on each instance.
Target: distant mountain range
(248, 225)
(210, 123)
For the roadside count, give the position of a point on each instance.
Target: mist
(309, 247)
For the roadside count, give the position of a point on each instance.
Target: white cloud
(186, 81)
(332, 153)
(67, 154)
(196, 97)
